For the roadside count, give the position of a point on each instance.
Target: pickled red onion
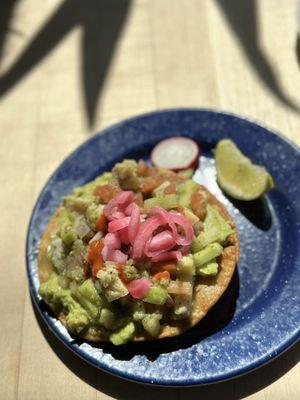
(162, 241)
(134, 223)
(118, 204)
(112, 241)
(118, 224)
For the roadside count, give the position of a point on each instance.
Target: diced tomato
(95, 258)
(122, 275)
(198, 205)
(150, 183)
(106, 192)
(170, 267)
(101, 224)
(161, 275)
(142, 168)
(171, 189)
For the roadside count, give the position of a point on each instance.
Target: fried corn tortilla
(207, 291)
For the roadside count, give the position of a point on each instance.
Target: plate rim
(266, 359)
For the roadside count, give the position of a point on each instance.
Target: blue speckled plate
(259, 315)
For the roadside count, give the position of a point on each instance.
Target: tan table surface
(140, 56)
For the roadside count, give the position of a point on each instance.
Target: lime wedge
(237, 175)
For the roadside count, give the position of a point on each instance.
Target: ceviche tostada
(139, 253)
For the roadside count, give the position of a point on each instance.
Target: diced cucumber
(206, 255)
(123, 335)
(209, 269)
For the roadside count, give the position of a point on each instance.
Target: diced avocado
(77, 317)
(113, 287)
(207, 254)
(186, 266)
(107, 318)
(89, 298)
(186, 174)
(151, 324)
(92, 214)
(65, 226)
(156, 295)
(138, 310)
(131, 272)
(75, 274)
(68, 235)
(77, 204)
(185, 190)
(56, 253)
(167, 201)
(209, 269)
(126, 174)
(123, 335)
(63, 281)
(216, 229)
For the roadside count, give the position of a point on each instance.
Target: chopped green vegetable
(57, 297)
(209, 269)
(186, 266)
(156, 295)
(210, 252)
(216, 229)
(92, 214)
(113, 287)
(151, 324)
(123, 335)
(126, 174)
(167, 201)
(185, 190)
(131, 272)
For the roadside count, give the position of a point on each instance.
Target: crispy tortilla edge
(206, 293)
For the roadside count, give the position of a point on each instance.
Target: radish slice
(139, 288)
(176, 153)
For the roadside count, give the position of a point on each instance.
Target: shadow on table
(101, 23)
(122, 389)
(243, 19)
